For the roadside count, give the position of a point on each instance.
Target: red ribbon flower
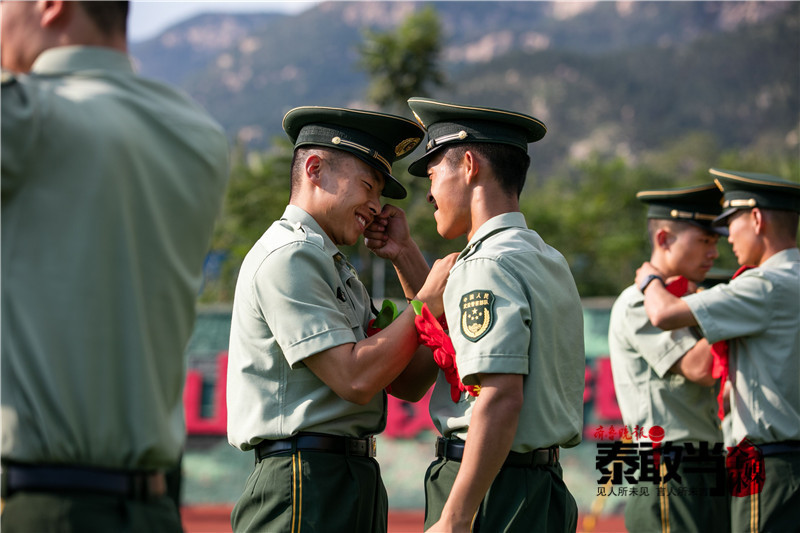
(432, 333)
(719, 364)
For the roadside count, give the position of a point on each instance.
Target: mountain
(619, 78)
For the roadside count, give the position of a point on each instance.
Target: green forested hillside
(619, 77)
(634, 94)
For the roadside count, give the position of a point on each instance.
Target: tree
(403, 63)
(258, 191)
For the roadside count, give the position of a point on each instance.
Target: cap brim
(419, 167)
(722, 219)
(392, 188)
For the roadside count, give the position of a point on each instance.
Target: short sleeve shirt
(758, 313)
(648, 394)
(512, 308)
(111, 184)
(296, 296)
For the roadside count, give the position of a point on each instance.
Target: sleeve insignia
(477, 314)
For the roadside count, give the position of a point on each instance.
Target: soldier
(758, 314)
(111, 184)
(305, 383)
(664, 378)
(515, 321)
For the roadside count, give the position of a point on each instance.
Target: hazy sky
(147, 18)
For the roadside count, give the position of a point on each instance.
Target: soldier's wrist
(649, 279)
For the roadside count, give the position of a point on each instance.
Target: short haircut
(331, 155)
(675, 226)
(109, 17)
(509, 164)
(784, 222)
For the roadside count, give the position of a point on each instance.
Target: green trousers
(41, 512)
(520, 499)
(309, 492)
(685, 506)
(777, 507)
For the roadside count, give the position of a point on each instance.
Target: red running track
(216, 519)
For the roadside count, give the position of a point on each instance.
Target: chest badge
(477, 314)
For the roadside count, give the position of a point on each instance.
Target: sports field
(216, 519)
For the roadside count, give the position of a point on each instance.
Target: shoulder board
(295, 231)
(314, 237)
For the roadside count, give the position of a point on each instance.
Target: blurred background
(635, 95)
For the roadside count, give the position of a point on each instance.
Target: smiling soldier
(305, 383)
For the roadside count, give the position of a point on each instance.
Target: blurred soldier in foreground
(110, 187)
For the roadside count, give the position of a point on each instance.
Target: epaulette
(301, 232)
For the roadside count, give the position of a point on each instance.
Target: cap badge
(405, 146)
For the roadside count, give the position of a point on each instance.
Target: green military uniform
(758, 313)
(110, 186)
(650, 395)
(297, 296)
(512, 308)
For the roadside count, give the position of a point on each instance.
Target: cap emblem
(405, 146)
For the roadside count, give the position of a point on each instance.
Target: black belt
(136, 485)
(317, 442)
(773, 448)
(453, 449)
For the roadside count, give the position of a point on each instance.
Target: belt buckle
(372, 447)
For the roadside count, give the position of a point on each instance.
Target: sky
(148, 18)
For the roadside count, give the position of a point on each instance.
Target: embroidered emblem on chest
(477, 314)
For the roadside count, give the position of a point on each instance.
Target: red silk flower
(431, 333)
(719, 365)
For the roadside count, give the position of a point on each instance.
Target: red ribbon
(719, 365)
(678, 286)
(432, 333)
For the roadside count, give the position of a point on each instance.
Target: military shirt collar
(514, 219)
(76, 58)
(790, 255)
(298, 215)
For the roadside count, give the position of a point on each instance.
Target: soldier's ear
(757, 218)
(313, 167)
(664, 237)
(54, 13)
(471, 164)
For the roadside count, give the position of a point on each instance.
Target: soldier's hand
(431, 292)
(388, 235)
